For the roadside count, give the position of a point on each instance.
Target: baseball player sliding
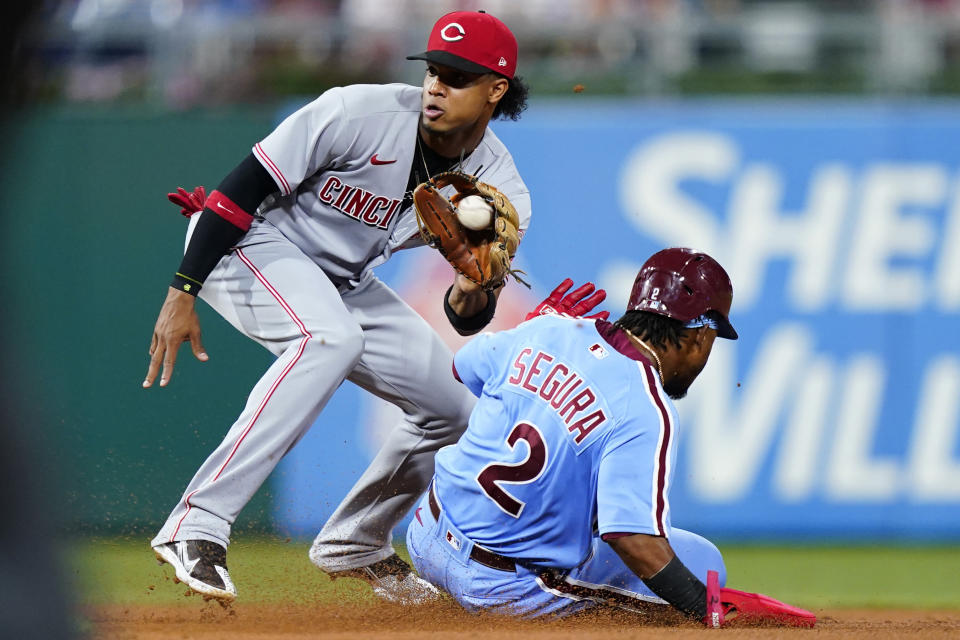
(284, 251)
(556, 498)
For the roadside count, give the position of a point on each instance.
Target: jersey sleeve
(521, 202)
(305, 142)
(475, 362)
(635, 475)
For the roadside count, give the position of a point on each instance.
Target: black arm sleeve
(248, 185)
(678, 586)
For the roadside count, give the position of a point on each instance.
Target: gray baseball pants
(273, 293)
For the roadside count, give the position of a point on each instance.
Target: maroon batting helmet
(685, 285)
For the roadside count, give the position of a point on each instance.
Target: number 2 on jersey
(527, 470)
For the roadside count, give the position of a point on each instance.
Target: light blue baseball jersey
(572, 436)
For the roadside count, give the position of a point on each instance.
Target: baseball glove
(484, 256)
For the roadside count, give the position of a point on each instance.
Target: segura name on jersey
(376, 211)
(561, 388)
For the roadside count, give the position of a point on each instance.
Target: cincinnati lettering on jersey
(562, 388)
(357, 203)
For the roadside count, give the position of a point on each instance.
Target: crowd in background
(185, 53)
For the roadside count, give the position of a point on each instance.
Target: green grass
(122, 572)
(849, 577)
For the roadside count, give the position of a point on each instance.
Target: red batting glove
(724, 605)
(190, 203)
(574, 304)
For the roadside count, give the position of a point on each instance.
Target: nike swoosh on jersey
(375, 160)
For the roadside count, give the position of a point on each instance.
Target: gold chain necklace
(423, 158)
(656, 358)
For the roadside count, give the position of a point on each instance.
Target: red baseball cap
(472, 41)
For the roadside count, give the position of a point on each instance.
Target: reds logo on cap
(455, 29)
(472, 41)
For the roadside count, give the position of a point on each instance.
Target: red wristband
(229, 210)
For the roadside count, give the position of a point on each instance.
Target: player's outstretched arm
(653, 560)
(225, 220)
(176, 324)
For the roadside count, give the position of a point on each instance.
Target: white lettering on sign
(885, 233)
(866, 239)
(649, 187)
(946, 284)
(935, 474)
(853, 474)
(730, 442)
(760, 233)
(830, 410)
(862, 238)
(797, 469)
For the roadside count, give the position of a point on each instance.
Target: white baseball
(474, 213)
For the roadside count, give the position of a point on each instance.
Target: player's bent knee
(444, 415)
(351, 344)
(715, 560)
(343, 347)
(447, 429)
(699, 554)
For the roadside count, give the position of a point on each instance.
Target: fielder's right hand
(177, 323)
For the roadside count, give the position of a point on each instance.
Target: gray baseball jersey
(342, 164)
(300, 283)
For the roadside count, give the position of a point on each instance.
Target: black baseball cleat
(392, 580)
(201, 565)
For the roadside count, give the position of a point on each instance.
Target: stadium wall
(835, 416)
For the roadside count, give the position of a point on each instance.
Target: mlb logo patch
(453, 540)
(598, 351)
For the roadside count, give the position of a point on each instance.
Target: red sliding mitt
(725, 605)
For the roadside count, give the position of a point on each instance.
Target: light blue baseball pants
(533, 592)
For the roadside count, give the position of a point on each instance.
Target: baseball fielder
(284, 251)
(557, 496)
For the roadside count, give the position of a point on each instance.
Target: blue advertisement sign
(837, 413)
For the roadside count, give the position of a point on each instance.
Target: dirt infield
(210, 621)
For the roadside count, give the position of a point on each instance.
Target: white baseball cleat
(393, 580)
(411, 589)
(201, 565)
